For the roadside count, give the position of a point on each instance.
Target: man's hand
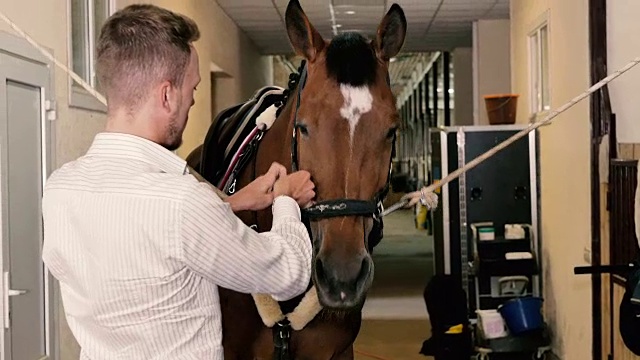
(297, 185)
(258, 194)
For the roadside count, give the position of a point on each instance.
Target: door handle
(8, 293)
(17, 292)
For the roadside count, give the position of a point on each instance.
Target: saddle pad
(230, 128)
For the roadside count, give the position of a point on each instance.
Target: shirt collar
(121, 145)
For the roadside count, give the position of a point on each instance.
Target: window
(539, 70)
(87, 17)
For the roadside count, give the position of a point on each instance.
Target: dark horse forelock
(351, 60)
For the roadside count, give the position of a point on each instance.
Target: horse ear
(391, 33)
(306, 40)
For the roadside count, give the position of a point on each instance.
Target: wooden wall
(629, 151)
(625, 151)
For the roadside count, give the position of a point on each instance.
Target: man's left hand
(258, 194)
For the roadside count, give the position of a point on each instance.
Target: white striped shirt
(139, 247)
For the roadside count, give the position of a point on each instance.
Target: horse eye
(392, 133)
(303, 129)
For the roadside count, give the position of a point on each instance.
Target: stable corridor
(395, 317)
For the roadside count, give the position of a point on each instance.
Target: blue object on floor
(522, 314)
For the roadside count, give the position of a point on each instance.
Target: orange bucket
(501, 108)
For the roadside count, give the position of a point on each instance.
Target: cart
(499, 276)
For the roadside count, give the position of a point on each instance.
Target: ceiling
(402, 68)
(433, 25)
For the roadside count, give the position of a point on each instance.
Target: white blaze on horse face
(357, 101)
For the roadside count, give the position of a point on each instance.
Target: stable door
(24, 83)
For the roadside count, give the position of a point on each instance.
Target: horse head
(344, 127)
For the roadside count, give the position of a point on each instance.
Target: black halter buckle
(281, 340)
(377, 216)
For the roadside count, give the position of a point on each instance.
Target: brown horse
(339, 123)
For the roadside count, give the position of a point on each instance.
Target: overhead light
(338, 25)
(349, 12)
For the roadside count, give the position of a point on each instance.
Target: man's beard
(173, 139)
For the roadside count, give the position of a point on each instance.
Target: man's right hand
(297, 185)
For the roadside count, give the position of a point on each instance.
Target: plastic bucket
(501, 109)
(522, 314)
(492, 324)
(486, 234)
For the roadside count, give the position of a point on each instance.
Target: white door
(24, 84)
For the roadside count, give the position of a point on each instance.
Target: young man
(138, 244)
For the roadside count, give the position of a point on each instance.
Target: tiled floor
(396, 321)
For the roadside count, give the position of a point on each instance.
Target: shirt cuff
(284, 207)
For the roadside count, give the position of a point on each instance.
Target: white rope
(48, 55)
(426, 193)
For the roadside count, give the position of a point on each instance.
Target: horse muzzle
(343, 267)
(343, 284)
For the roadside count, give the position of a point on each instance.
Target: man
(138, 244)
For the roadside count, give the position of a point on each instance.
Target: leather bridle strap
(335, 207)
(294, 143)
(341, 207)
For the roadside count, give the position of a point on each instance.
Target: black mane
(351, 60)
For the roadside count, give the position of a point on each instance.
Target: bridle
(327, 209)
(342, 206)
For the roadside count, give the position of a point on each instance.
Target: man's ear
(168, 97)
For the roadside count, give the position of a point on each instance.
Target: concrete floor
(395, 317)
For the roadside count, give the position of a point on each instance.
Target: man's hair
(140, 46)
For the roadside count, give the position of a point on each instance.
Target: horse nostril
(364, 268)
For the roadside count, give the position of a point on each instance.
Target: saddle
(231, 132)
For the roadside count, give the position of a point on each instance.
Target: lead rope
(426, 195)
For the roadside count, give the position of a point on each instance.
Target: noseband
(342, 206)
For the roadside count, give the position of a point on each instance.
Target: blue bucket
(522, 314)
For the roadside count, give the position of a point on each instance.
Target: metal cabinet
(503, 189)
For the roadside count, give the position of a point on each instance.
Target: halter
(342, 206)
